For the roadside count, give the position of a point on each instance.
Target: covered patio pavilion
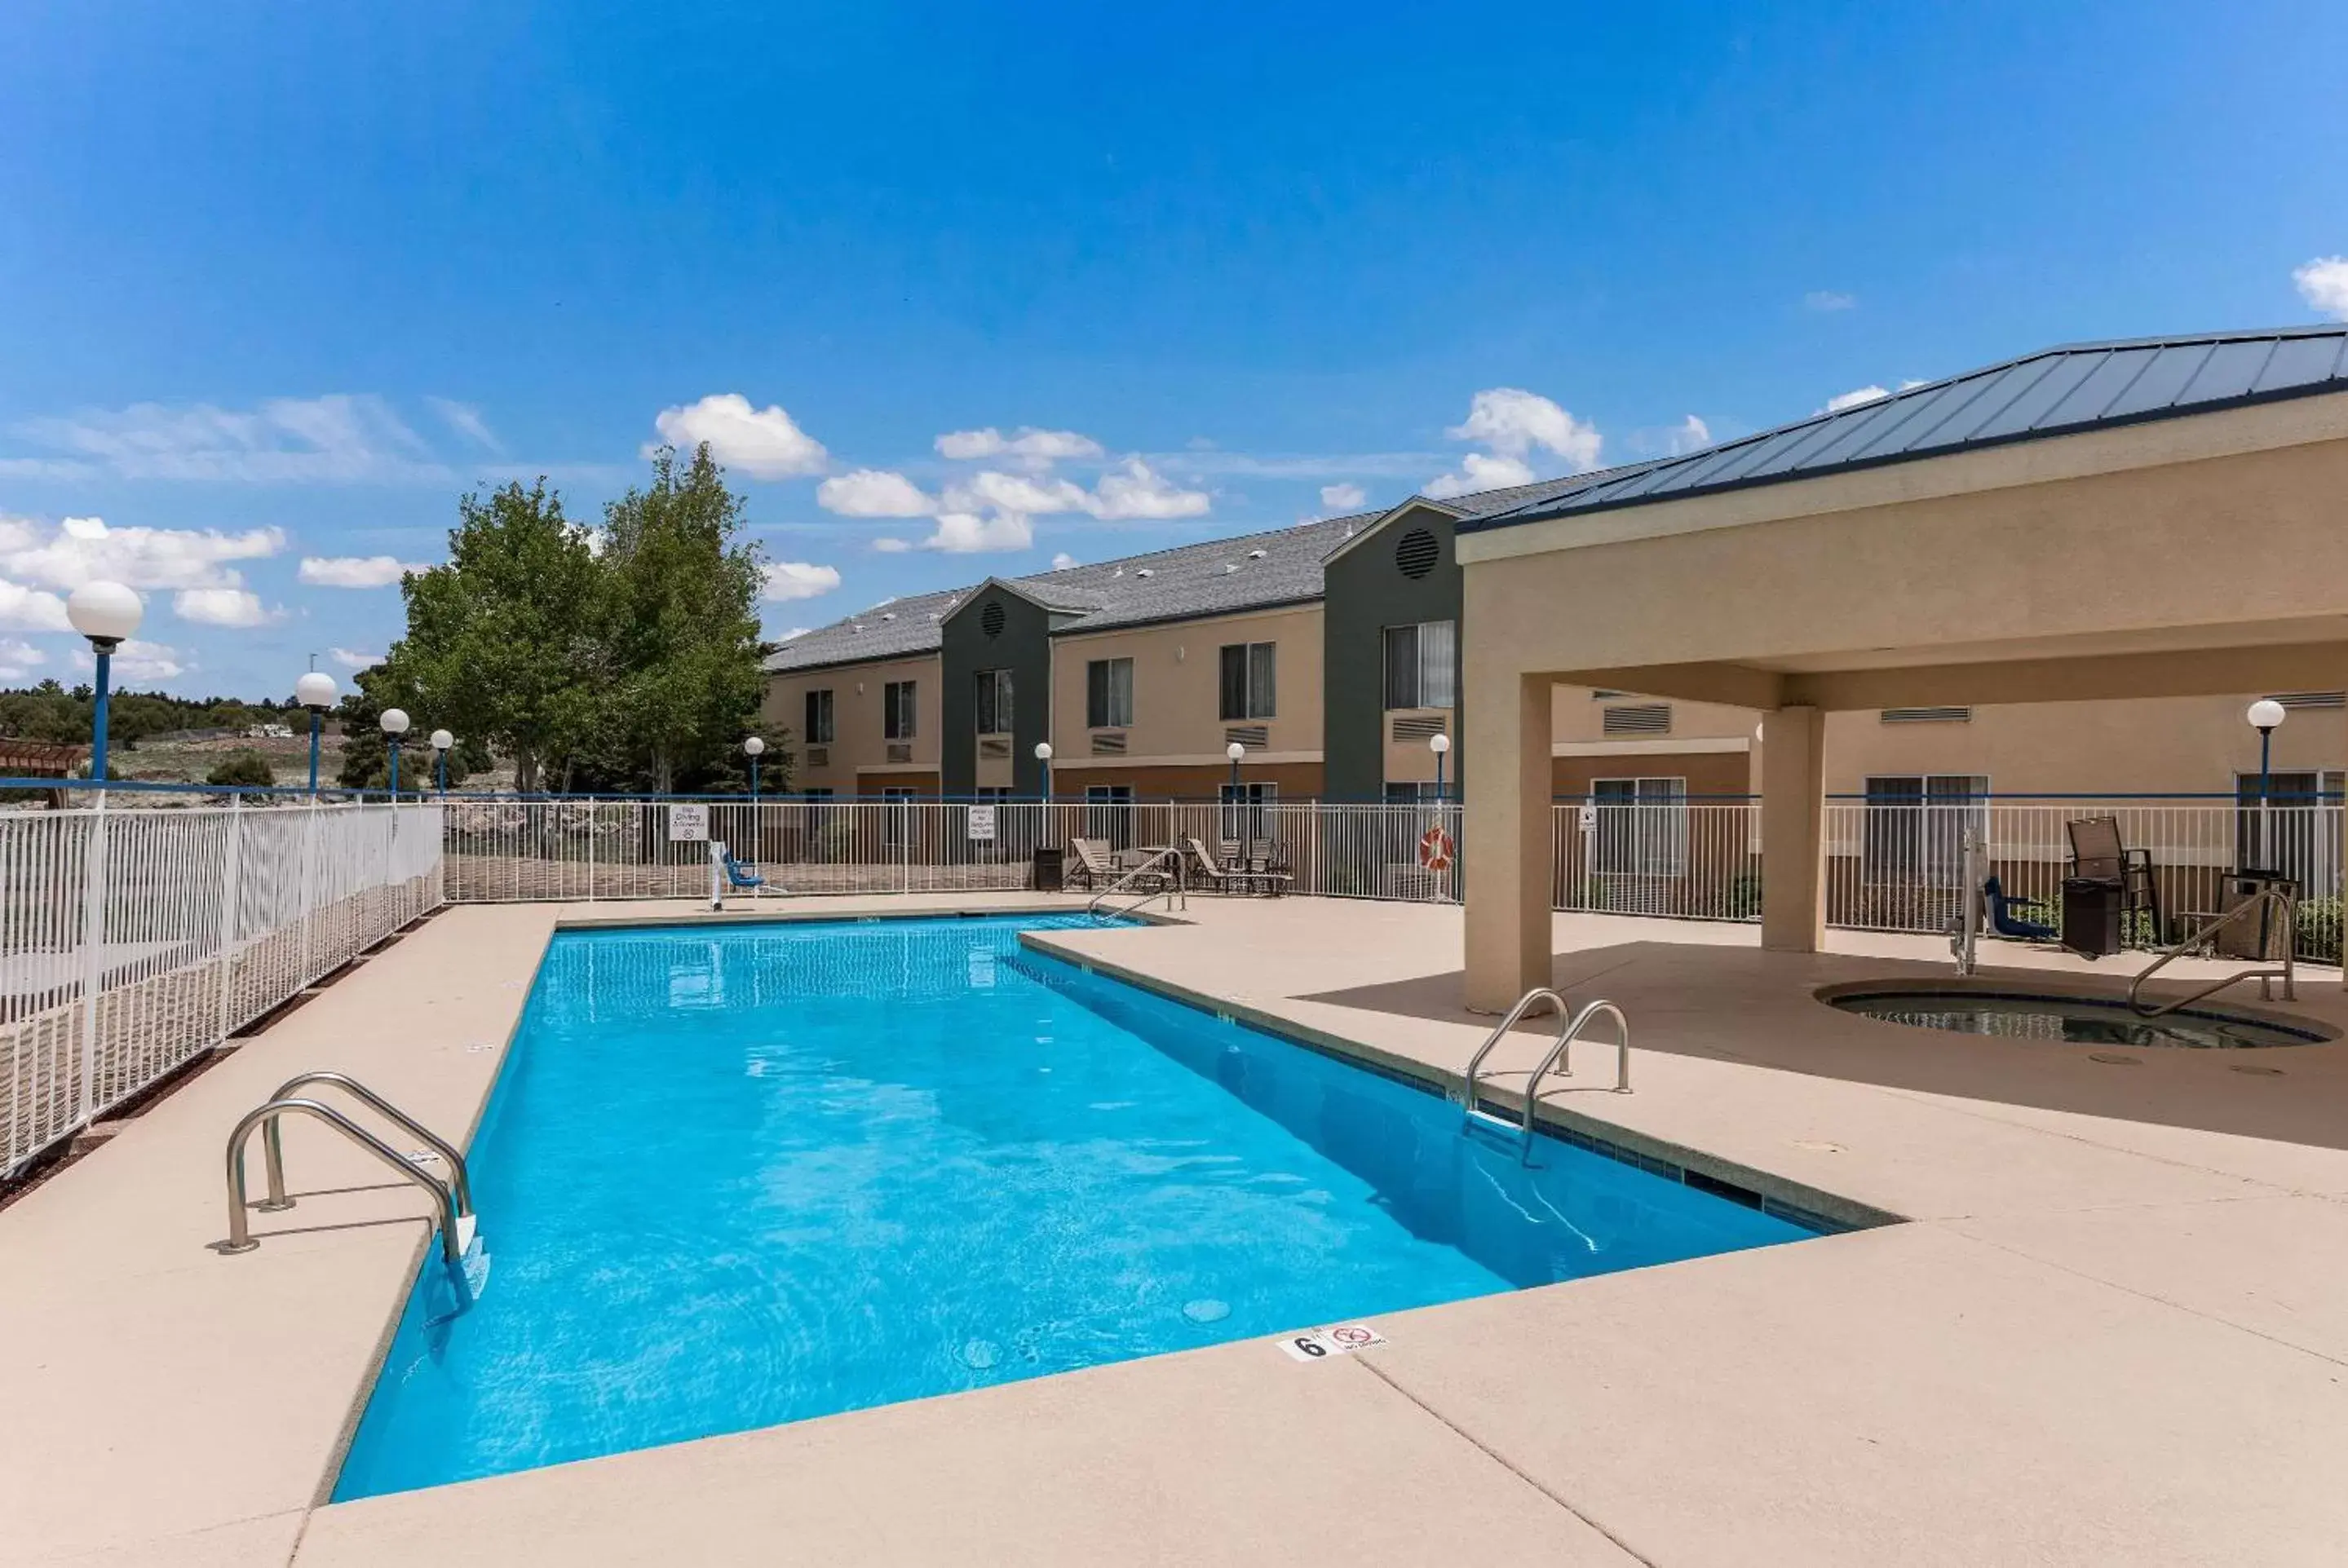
(2160, 518)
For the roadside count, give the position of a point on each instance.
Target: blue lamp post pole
(395, 725)
(106, 613)
(755, 747)
(441, 741)
(317, 692)
(2265, 716)
(1043, 767)
(1440, 745)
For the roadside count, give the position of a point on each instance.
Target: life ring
(1435, 849)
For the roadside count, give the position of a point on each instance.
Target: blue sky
(278, 282)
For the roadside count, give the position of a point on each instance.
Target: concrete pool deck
(2114, 1330)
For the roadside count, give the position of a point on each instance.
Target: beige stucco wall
(857, 746)
(1177, 716)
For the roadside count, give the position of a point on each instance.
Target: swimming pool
(733, 1176)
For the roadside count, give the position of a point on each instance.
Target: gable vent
(2312, 699)
(1644, 719)
(990, 619)
(1416, 553)
(1928, 715)
(1419, 726)
(1109, 743)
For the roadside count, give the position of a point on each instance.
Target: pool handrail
(2282, 899)
(1177, 884)
(1570, 1030)
(240, 1235)
(273, 1145)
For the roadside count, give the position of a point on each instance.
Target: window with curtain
(1421, 660)
(1108, 693)
(1249, 679)
(818, 718)
(994, 702)
(897, 711)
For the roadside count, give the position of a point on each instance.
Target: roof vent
(1229, 567)
(991, 619)
(855, 626)
(1145, 571)
(1256, 554)
(1416, 553)
(889, 615)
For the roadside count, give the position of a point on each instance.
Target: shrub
(2318, 930)
(246, 768)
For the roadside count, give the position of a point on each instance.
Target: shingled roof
(2056, 392)
(1218, 577)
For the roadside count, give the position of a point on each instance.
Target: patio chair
(1094, 861)
(1216, 874)
(2098, 855)
(2006, 918)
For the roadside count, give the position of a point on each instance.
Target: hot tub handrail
(2281, 899)
(240, 1235)
(273, 1144)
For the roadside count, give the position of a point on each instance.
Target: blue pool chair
(2006, 922)
(741, 877)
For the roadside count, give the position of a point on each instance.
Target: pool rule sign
(1321, 1343)
(688, 822)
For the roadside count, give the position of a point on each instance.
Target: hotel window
(1108, 814)
(1641, 828)
(897, 711)
(1247, 817)
(1914, 827)
(994, 702)
(2294, 830)
(1421, 660)
(1250, 678)
(1108, 693)
(818, 718)
(897, 813)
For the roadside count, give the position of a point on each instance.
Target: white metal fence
(133, 939)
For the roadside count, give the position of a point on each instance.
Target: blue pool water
(731, 1177)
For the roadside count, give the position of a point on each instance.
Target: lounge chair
(1212, 873)
(1094, 861)
(2004, 919)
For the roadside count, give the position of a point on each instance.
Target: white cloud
(1027, 495)
(353, 659)
(18, 658)
(31, 610)
(1137, 490)
(874, 493)
(1827, 301)
(790, 579)
(1853, 398)
(340, 439)
(1035, 448)
(1064, 560)
(81, 548)
(962, 533)
(138, 660)
(354, 571)
(763, 443)
(1345, 497)
(1514, 423)
(890, 546)
(1690, 435)
(465, 420)
(2323, 284)
(221, 607)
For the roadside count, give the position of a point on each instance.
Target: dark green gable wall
(1367, 593)
(1024, 647)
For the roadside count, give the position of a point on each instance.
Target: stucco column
(1793, 830)
(1506, 860)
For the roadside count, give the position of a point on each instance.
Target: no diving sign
(1322, 1343)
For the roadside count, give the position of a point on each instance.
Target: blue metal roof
(2056, 392)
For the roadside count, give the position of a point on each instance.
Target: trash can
(1050, 874)
(2259, 940)
(2091, 916)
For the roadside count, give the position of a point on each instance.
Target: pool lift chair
(728, 874)
(452, 1197)
(1475, 1119)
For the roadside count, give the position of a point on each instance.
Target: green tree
(501, 643)
(680, 625)
(246, 767)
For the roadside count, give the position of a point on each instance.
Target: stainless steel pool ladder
(453, 1197)
(1176, 892)
(1570, 1028)
(2279, 898)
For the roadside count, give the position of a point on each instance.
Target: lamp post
(2266, 715)
(395, 725)
(441, 741)
(316, 692)
(106, 613)
(1044, 762)
(1440, 745)
(1235, 751)
(756, 748)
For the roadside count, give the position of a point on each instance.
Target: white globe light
(1043, 751)
(1438, 744)
(395, 722)
(104, 611)
(1235, 751)
(2266, 713)
(442, 739)
(315, 689)
(755, 746)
